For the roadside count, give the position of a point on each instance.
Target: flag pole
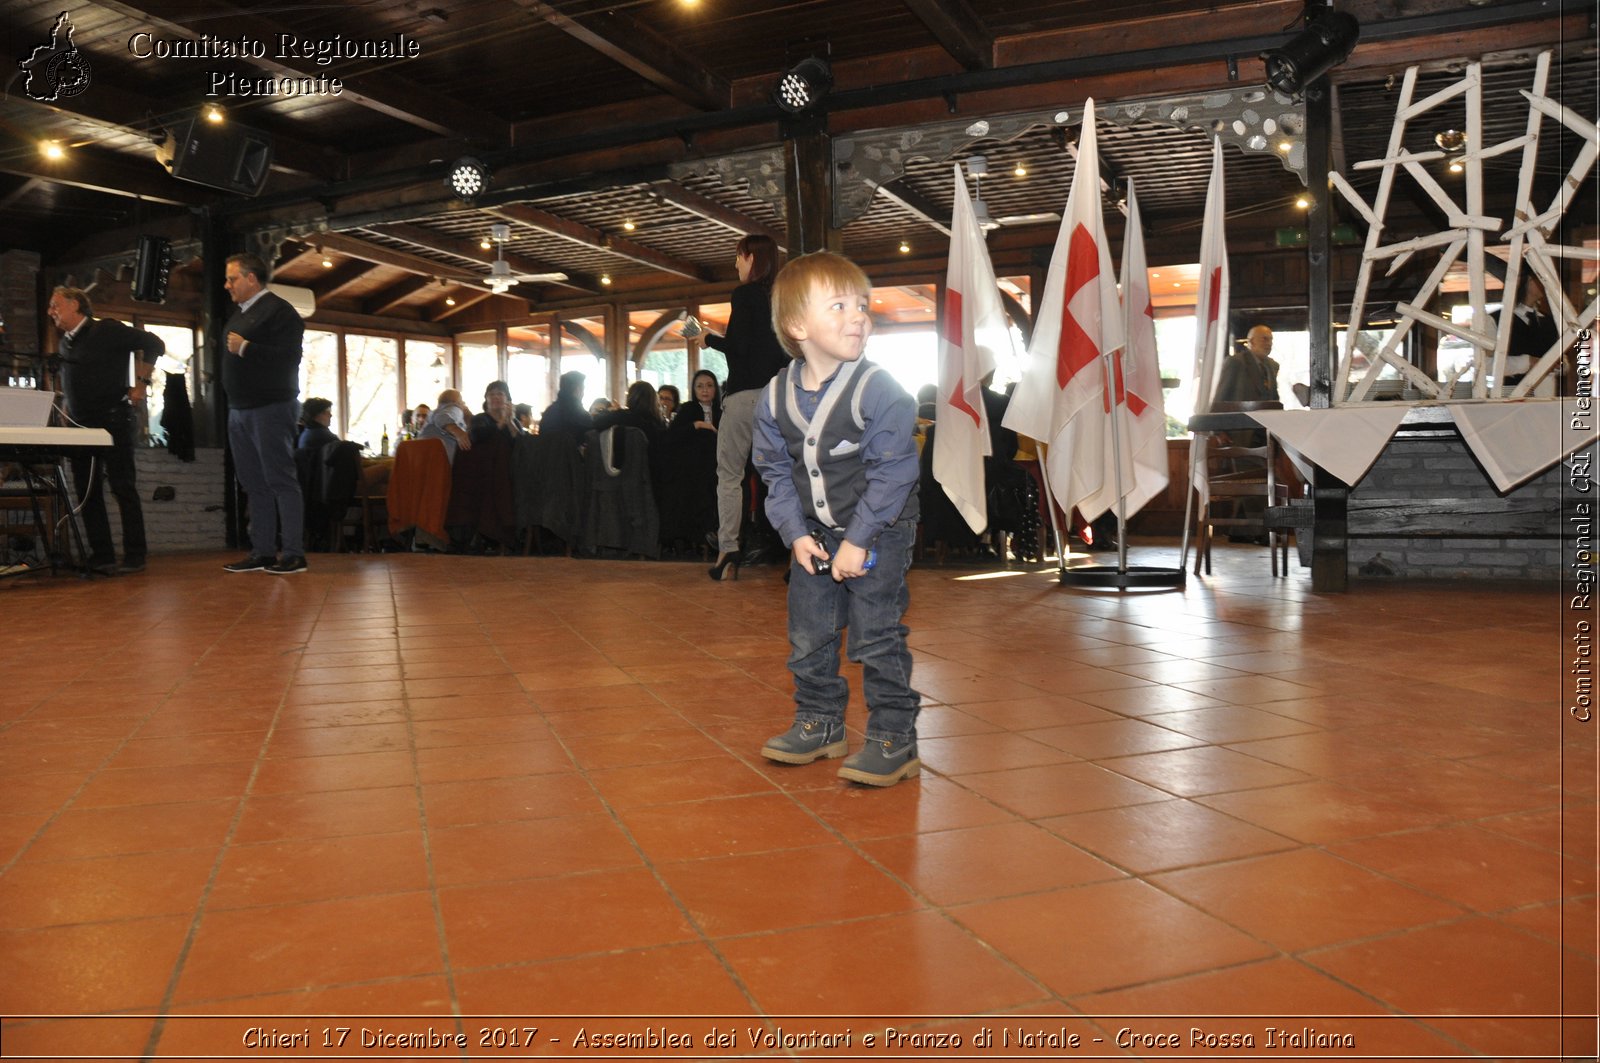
(1050, 507)
(1116, 462)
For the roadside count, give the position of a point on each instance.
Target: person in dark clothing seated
(567, 414)
(689, 502)
(498, 416)
(316, 418)
(670, 399)
(643, 411)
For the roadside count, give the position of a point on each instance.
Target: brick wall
(1441, 467)
(192, 520)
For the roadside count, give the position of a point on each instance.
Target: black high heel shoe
(727, 567)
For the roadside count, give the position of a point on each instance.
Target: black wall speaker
(225, 156)
(151, 266)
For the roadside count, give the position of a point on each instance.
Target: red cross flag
(1136, 412)
(974, 327)
(1061, 399)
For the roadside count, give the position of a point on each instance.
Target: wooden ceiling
(622, 138)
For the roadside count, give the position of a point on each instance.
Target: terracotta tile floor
(460, 786)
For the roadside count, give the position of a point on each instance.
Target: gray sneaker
(882, 763)
(805, 742)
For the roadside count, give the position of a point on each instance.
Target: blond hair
(791, 291)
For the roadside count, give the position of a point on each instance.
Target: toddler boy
(834, 441)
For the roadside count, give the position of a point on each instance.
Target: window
(427, 371)
(479, 354)
(372, 373)
(528, 365)
(667, 360)
(319, 371)
(1175, 353)
(583, 348)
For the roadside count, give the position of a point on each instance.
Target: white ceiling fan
(978, 167)
(501, 279)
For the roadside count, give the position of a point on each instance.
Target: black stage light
(804, 87)
(1326, 42)
(468, 178)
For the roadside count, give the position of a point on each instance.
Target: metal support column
(1329, 495)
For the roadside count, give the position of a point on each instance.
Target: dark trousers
(263, 440)
(871, 606)
(115, 464)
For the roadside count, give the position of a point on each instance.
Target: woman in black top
(689, 508)
(754, 358)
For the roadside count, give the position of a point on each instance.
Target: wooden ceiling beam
(473, 251)
(958, 29)
(395, 294)
(99, 171)
(579, 233)
(120, 111)
(898, 192)
(712, 211)
(439, 311)
(388, 94)
(335, 280)
(632, 44)
(357, 247)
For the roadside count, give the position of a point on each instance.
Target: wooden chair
(1236, 473)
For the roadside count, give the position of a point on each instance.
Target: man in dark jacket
(261, 375)
(103, 393)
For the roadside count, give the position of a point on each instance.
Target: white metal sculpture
(1528, 237)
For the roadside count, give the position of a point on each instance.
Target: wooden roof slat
(634, 45)
(397, 97)
(958, 29)
(709, 209)
(583, 234)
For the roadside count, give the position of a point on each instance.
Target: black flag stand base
(1132, 578)
(1122, 576)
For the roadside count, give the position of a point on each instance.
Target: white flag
(1136, 423)
(1061, 397)
(974, 325)
(1211, 314)
(1141, 368)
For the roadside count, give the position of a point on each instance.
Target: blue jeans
(263, 441)
(871, 606)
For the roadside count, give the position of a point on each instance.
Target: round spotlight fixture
(1326, 42)
(1451, 140)
(605, 279)
(52, 149)
(214, 114)
(468, 178)
(802, 89)
(905, 247)
(1303, 202)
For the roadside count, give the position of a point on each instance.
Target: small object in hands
(692, 327)
(823, 565)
